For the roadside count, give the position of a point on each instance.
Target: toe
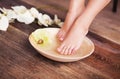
(61, 38)
(60, 49)
(66, 52)
(74, 50)
(63, 50)
(61, 35)
(70, 50)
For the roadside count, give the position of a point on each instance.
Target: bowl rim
(51, 56)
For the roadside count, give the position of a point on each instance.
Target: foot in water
(72, 41)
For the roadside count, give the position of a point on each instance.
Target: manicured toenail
(58, 49)
(61, 39)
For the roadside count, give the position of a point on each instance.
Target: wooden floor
(19, 60)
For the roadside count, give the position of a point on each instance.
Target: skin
(74, 11)
(77, 24)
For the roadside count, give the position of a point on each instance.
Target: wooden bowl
(50, 51)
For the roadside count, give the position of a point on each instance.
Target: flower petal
(19, 9)
(47, 19)
(26, 18)
(56, 20)
(41, 20)
(4, 23)
(60, 24)
(11, 15)
(34, 12)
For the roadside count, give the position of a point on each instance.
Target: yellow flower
(43, 36)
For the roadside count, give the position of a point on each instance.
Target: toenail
(58, 49)
(61, 39)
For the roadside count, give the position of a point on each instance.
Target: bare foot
(67, 24)
(73, 40)
(72, 15)
(79, 28)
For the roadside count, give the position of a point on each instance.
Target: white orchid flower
(34, 12)
(11, 15)
(4, 22)
(26, 18)
(56, 20)
(23, 14)
(47, 19)
(44, 20)
(60, 24)
(4, 10)
(40, 21)
(19, 9)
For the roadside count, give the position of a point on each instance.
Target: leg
(75, 9)
(80, 27)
